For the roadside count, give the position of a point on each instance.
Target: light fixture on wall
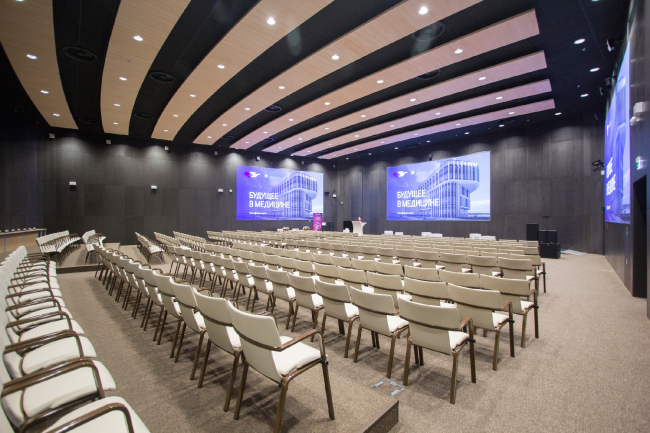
(334, 193)
(302, 162)
(167, 149)
(430, 157)
(257, 158)
(108, 141)
(230, 190)
(220, 190)
(52, 135)
(216, 153)
(154, 187)
(73, 183)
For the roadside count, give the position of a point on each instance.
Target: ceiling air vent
(429, 75)
(88, 120)
(429, 33)
(411, 145)
(162, 77)
(504, 121)
(142, 115)
(270, 139)
(229, 137)
(79, 54)
(273, 109)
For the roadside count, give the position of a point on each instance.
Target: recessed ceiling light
(380, 81)
(115, 123)
(122, 78)
(31, 56)
(369, 153)
(299, 138)
(264, 132)
(327, 103)
(247, 142)
(437, 114)
(247, 109)
(579, 41)
(467, 133)
(309, 151)
(347, 158)
(356, 148)
(357, 135)
(270, 21)
(512, 112)
(290, 120)
(56, 114)
(412, 99)
(175, 115)
(363, 115)
(396, 148)
(281, 87)
(329, 144)
(392, 126)
(584, 95)
(458, 124)
(428, 141)
(220, 66)
(499, 97)
(382, 142)
(558, 113)
(280, 147)
(166, 130)
(501, 126)
(458, 51)
(326, 128)
(423, 10)
(117, 105)
(138, 38)
(209, 136)
(594, 70)
(192, 96)
(335, 57)
(225, 124)
(482, 78)
(45, 91)
(415, 133)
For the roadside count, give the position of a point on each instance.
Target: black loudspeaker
(541, 236)
(347, 225)
(551, 237)
(549, 251)
(531, 232)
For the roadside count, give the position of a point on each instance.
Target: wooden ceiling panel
(383, 30)
(491, 75)
(27, 28)
(131, 59)
(456, 124)
(234, 52)
(527, 90)
(498, 35)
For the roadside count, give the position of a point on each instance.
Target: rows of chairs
(166, 241)
(150, 248)
(59, 245)
(390, 295)
(50, 380)
(90, 240)
(250, 338)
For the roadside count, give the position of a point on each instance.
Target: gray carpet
(587, 372)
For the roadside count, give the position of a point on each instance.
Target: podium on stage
(357, 227)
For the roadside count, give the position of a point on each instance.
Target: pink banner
(318, 222)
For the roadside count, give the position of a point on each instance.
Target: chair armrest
(13, 286)
(60, 314)
(40, 341)
(26, 292)
(90, 416)
(203, 289)
(34, 302)
(304, 336)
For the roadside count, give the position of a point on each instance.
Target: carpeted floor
(587, 372)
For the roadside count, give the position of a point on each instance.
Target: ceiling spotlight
(192, 96)
(412, 99)
(380, 81)
(281, 87)
(299, 138)
(247, 142)
(280, 147)
(512, 112)
(356, 135)
(558, 113)
(220, 66)
(327, 128)
(382, 142)
(45, 91)
(347, 158)
(115, 123)
(122, 78)
(290, 120)
(31, 56)
(594, 70)
(117, 105)
(224, 124)
(396, 148)
(264, 132)
(56, 114)
(437, 114)
(175, 115)
(579, 41)
(428, 141)
(458, 124)
(501, 126)
(458, 51)
(423, 10)
(415, 133)
(467, 133)
(329, 144)
(166, 130)
(209, 136)
(138, 38)
(499, 97)
(482, 78)
(363, 115)
(327, 103)
(335, 57)
(270, 21)
(584, 95)
(309, 151)
(392, 126)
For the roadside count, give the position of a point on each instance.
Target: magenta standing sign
(318, 222)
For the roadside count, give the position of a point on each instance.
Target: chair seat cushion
(294, 357)
(44, 294)
(395, 323)
(317, 300)
(55, 392)
(498, 319)
(233, 337)
(525, 305)
(30, 310)
(456, 338)
(111, 422)
(351, 310)
(49, 328)
(40, 312)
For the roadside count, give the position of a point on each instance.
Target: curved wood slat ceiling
(494, 74)
(153, 21)
(383, 30)
(235, 51)
(521, 110)
(28, 28)
(498, 35)
(436, 113)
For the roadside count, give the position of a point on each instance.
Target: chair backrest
(386, 284)
(256, 332)
(335, 296)
(217, 319)
(272, 261)
(373, 309)
(460, 278)
(368, 251)
(386, 254)
(535, 259)
(304, 268)
(389, 268)
(427, 258)
(352, 251)
(280, 282)
(304, 288)
(292, 254)
(515, 269)
(258, 258)
(511, 290)
(476, 303)
(482, 264)
(327, 273)
(324, 259)
(426, 292)
(353, 277)
(187, 303)
(242, 273)
(287, 264)
(364, 265)
(259, 277)
(425, 274)
(429, 326)
(343, 262)
(453, 262)
(306, 256)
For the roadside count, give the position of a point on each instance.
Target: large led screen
(617, 150)
(276, 194)
(456, 189)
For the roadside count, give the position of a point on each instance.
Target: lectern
(357, 227)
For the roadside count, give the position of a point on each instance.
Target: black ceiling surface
(88, 24)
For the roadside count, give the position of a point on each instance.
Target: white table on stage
(357, 227)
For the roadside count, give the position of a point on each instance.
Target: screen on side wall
(456, 189)
(617, 149)
(277, 194)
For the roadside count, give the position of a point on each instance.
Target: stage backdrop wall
(538, 175)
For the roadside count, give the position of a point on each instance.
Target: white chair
(460, 278)
(427, 292)
(353, 277)
(364, 265)
(484, 265)
(427, 258)
(338, 304)
(327, 273)
(306, 297)
(439, 329)
(262, 284)
(281, 359)
(377, 314)
(282, 289)
(387, 284)
(424, 274)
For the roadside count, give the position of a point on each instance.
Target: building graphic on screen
(298, 189)
(449, 186)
